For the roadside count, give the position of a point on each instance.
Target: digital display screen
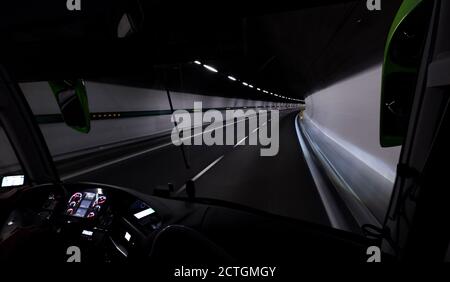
(87, 233)
(144, 213)
(85, 204)
(13, 180)
(89, 196)
(80, 212)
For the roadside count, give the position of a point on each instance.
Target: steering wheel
(30, 229)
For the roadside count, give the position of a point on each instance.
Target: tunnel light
(245, 83)
(198, 62)
(259, 89)
(210, 68)
(251, 86)
(231, 78)
(265, 91)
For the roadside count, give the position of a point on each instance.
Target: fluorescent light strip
(210, 68)
(245, 83)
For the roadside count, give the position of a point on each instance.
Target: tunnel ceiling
(288, 48)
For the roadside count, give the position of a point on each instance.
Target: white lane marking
(119, 160)
(240, 142)
(215, 128)
(207, 168)
(195, 178)
(115, 161)
(201, 173)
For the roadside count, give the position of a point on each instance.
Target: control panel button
(76, 197)
(101, 200)
(70, 211)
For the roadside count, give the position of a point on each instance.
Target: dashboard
(86, 204)
(108, 222)
(116, 224)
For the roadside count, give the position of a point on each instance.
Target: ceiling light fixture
(210, 68)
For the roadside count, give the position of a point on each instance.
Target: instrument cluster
(86, 204)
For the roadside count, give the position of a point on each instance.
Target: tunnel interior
(316, 66)
(285, 48)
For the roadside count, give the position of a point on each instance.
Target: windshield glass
(278, 111)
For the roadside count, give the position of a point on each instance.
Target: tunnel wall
(65, 142)
(343, 121)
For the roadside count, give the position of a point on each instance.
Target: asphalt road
(281, 184)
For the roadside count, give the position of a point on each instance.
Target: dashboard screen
(13, 180)
(80, 212)
(86, 204)
(144, 213)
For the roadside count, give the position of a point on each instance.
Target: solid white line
(215, 128)
(119, 160)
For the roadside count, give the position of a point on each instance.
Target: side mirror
(125, 27)
(73, 103)
(132, 20)
(402, 59)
